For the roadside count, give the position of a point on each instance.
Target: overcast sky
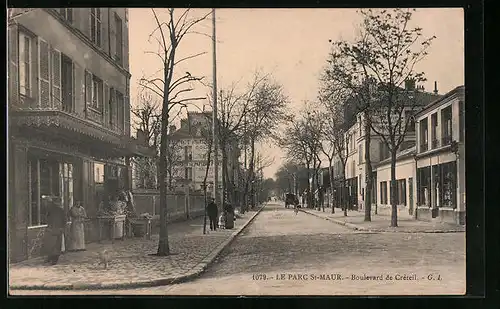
(291, 44)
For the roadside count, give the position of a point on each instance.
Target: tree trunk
(332, 187)
(368, 170)
(394, 213)
(309, 199)
(209, 159)
(163, 247)
(252, 173)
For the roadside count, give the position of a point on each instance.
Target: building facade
(69, 115)
(191, 156)
(440, 159)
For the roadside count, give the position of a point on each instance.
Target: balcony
(54, 122)
(446, 140)
(424, 147)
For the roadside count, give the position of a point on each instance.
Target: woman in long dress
(56, 222)
(78, 215)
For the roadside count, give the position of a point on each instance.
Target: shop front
(437, 187)
(70, 165)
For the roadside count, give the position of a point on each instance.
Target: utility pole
(214, 113)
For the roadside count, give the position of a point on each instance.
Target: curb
(364, 229)
(189, 275)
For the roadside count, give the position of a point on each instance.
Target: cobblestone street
(284, 253)
(131, 259)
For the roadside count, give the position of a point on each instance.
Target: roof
(458, 91)
(404, 154)
(351, 109)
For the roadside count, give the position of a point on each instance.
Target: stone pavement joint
(21, 274)
(413, 226)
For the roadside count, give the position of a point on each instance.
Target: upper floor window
(384, 151)
(67, 13)
(93, 91)
(188, 153)
(446, 130)
(360, 155)
(119, 39)
(25, 64)
(95, 26)
(424, 138)
(434, 124)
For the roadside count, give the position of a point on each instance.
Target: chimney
(435, 87)
(172, 129)
(141, 137)
(410, 84)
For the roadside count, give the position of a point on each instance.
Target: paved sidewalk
(131, 263)
(382, 221)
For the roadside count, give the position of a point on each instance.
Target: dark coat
(56, 223)
(212, 210)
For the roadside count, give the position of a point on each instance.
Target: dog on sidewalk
(104, 257)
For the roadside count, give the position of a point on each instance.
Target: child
(222, 221)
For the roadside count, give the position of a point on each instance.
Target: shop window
(383, 192)
(48, 178)
(401, 192)
(423, 186)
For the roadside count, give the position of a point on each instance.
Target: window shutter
(88, 90)
(126, 108)
(125, 54)
(85, 21)
(105, 109)
(112, 34)
(56, 78)
(44, 73)
(104, 29)
(79, 88)
(13, 73)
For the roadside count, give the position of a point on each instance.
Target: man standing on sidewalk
(212, 213)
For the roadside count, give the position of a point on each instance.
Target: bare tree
(268, 110)
(173, 91)
(233, 107)
(381, 62)
(301, 141)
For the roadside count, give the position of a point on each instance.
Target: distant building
(192, 153)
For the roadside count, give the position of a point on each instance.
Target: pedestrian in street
(77, 230)
(56, 222)
(212, 213)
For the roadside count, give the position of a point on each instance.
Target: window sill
(37, 227)
(95, 110)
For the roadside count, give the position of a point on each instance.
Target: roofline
(399, 157)
(446, 97)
